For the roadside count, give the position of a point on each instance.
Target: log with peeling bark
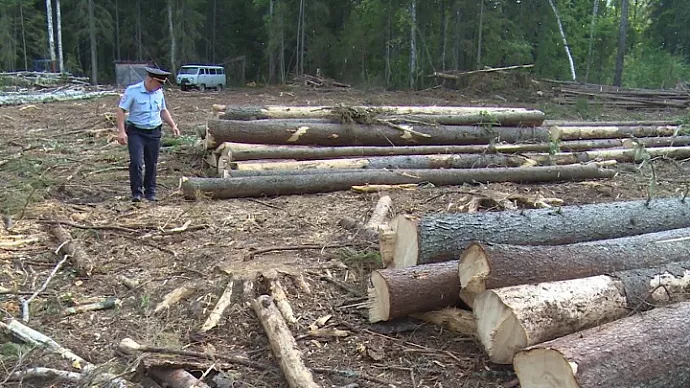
(320, 133)
(279, 295)
(649, 349)
(238, 152)
(283, 344)
(306, 184)
(440, 114)
(81, 262)
(455, 161)
(511, 318)
(485, 266)
(178, 294)
(640, 123)
(613, 132)
(378, 216)
(396, 293)
(441, 237)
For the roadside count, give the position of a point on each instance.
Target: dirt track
(63, 164)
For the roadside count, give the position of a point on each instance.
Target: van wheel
(202, 87)
(220, 87)
(183, 87)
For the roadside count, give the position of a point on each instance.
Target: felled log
(613, 132)
(649, 349)
(305, 184)
(81, 262)
(510, 319)
(178, 294)
(441, 237)
(638, 123)
(396, 293)
(283, 344)
(45, 375)
(222, 304)
(278, 294)
(490, 265)
(378, 216)
(320, 133)
(459, 115)
(455, 319)
(238, 152)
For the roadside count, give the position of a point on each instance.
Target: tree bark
(306, 184)
(487, 266)
(638, 123)
(242, 151)
(442, 237)
(611, 132)
(455, 319)
(622, 35)
(480, 33)
(171, 32)
(645, 350)
(51, 33)
(413, 43)
(58, 16)
(283, 344)
(456, 161)
(396, 293)
(299, 132)
(433, 114)
(92, 40)
(510, 319)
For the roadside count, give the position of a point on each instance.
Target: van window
(213, 71)
(189, 70)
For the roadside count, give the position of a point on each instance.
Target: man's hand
(175, 131)
(122, 137)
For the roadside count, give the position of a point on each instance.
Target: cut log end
(379, 302)
(473, 271)
(498, 328)
(406, 243)
(543, 367)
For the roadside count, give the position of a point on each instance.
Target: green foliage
(647, 67)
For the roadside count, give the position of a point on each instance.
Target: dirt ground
(60, 162)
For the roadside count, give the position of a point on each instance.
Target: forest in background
(369, 43)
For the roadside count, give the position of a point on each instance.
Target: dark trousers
(143, 160)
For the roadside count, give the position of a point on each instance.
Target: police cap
(157, 74)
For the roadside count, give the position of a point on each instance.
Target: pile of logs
(44, 95)
(578, 296)
(568, 92)
(281, 150)
(41, 79)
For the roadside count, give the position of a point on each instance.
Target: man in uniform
(141, 130)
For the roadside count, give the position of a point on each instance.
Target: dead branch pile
(40, 79)
(318, 81)
(571, 296)
(61, 93)
(568, 92)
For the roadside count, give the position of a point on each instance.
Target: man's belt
(133, 126)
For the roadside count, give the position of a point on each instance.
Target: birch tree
(413, 43)
(565, 41)
(61, 59)
(51, 36)
(92, 39)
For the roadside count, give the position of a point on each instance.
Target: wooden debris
(395, 293)
(283, 344)
(108, 303)
(222, 304)
(223, 188)
(81, 262)
(380, 213)
(176, 378)
(37, 339)
(644, 350)
(45, 374)
(178, 294)
(421, 240)
(129, 283)
(487, 266)
(512, 318)
(279, 295)
(455, 319)
(458, 75)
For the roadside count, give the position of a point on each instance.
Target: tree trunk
(58, 14)
(82, 263)
(595, 12)
(171, 32)
(92, 39)
(429, 114)
(489, 265)
(444, 39)
(565, 41)
(622, 35)
(442, 237)
(302, 33)
(396, 293)
(308, 184)
(51, 33)
(639, 123)
(138, 29)
(461, 160)
(389, 37)
(238, 152)
(480, 33)
(21, 17)
(117, 29)
(413, 43)
(215, 28)
(644, 350)
(612, 132)
(283, 344)
(512, 318)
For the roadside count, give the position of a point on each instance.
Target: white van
(201, 77)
